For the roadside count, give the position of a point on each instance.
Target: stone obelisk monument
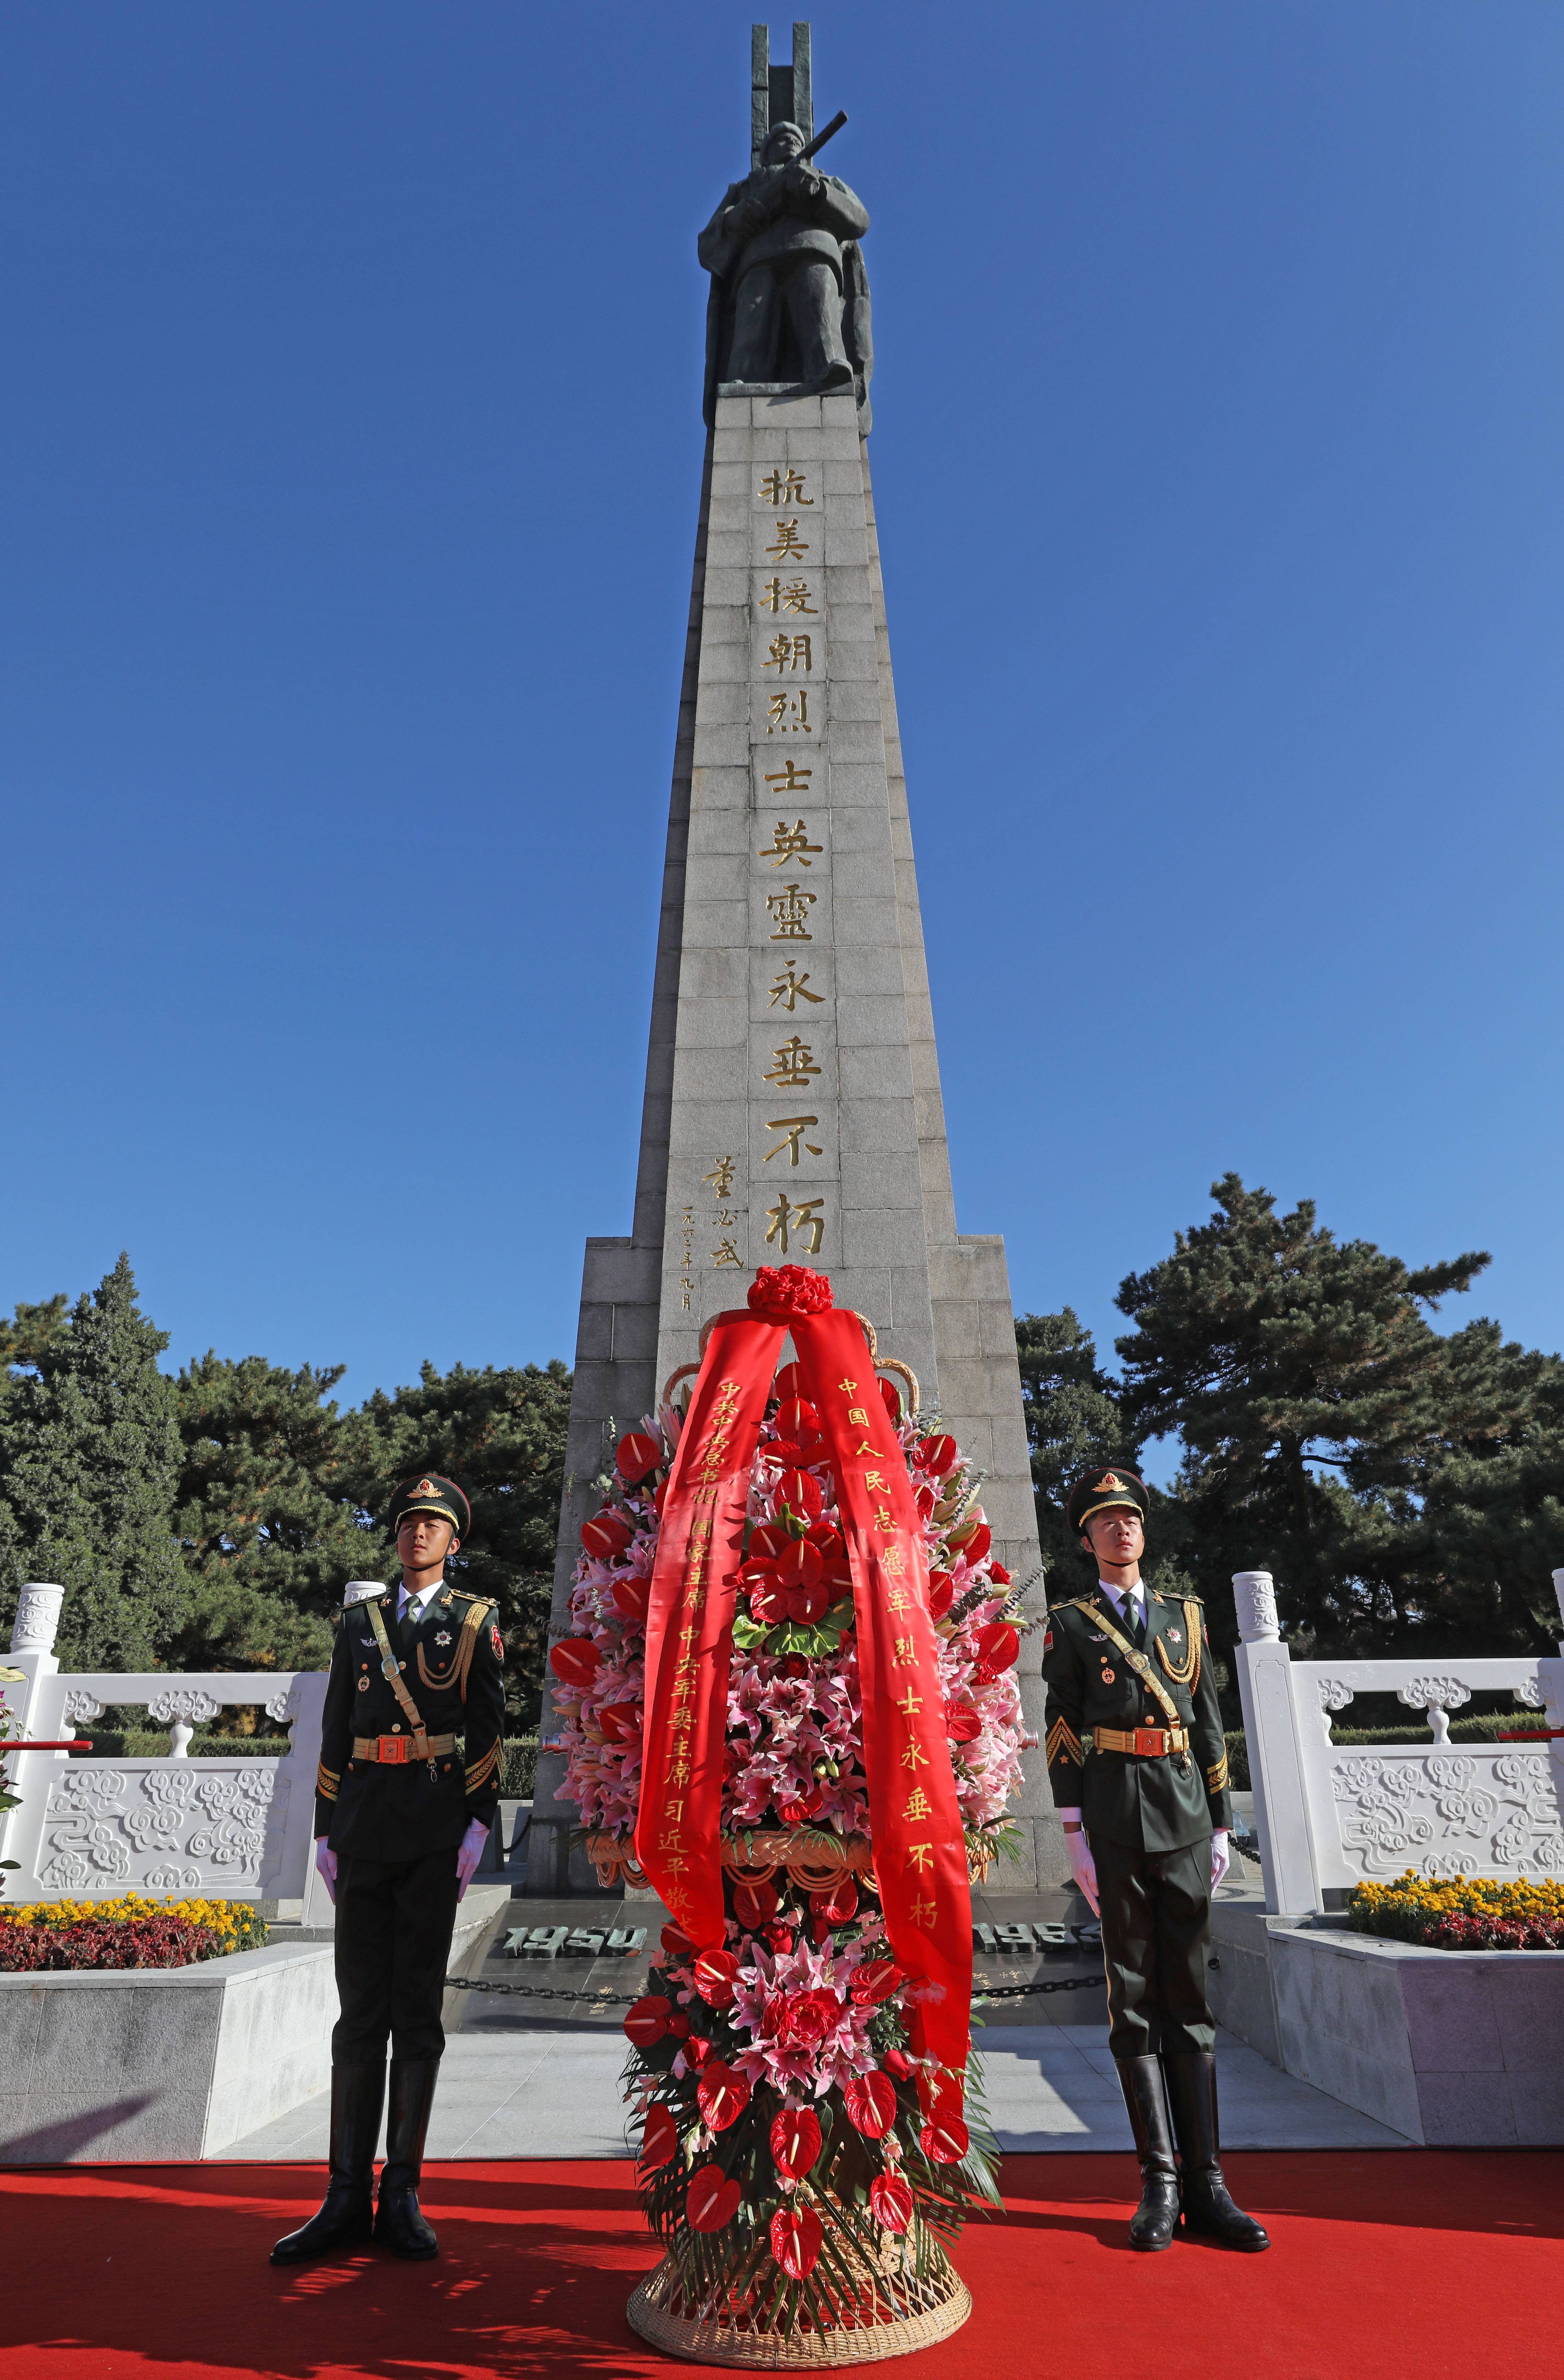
(793, 1110)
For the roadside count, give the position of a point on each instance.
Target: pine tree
(89, 1467)
(1402, 1487)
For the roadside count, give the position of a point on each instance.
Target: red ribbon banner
(919, 1853)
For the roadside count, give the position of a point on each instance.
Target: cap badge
(426, 1488)
(1108, 1484)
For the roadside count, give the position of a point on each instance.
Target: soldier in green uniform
(401, 1821)
(1139, 1772)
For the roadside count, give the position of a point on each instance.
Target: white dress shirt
(418, 1603)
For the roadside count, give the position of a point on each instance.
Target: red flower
(997, 1645)
(962, 1722)
(782, 1290)
(629, 1597)
(897, 2062)
(839, 1903)
(710, 2201)
(573, 1661)
(621, 1722)
(648, 2021)
(799, 2019)
(800, 1491)
(714, 1973)
(659, 2141)
(697, 2049)
(890, 1398)
(797, 1814)
(799, 1422)
(890, 2202)
(874, 1981)
(635, 1455)
(795, 1666)
(679, 2025)
(872, 2102)
(606, 1533)
(795, 2142)
(766, 1542)
(937, 1456)
(723, 2096)
(942, 1589)
(675, 1941)
(999, 1573)
(768, 1603)
(780, 1939)
(755, 1904)
(944, 2140)
(972, 1539)
(795, 2240)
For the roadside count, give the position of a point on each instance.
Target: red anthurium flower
(962, 1722)
(800, 1491)
(629, 1594)
(890, 2202)
(606, 1533)
(944, 2140)
(766, 1542)
(941, 1591)
(789, 1382)
(575, 1660)
(660, 1498)
(795, 2240)
(714, 1973)
(795, 2142)
(874, 1981)
(711, 2201)
(890, 1397)
(755, 1904)
(659, 2141)
(723, 2096)
(675, 1941)
(621, 1722)
(635, 1455)
(648, 2021)
(798, 1813)
(926, 1498)
(972, 1539)
(935, 1455)
(872, 2102)
(799, 1564)
(997, 1645)
(837, 1903)
(768, 1602)
(808, 1603)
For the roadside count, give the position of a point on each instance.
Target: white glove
(1083, 1867)
(1221, 1856)
(469, 1851)
(325, 1859)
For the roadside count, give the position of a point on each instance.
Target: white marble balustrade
(90, 1828)
(1331, 1815)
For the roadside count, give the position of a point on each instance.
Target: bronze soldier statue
(1138, 1766)
(787, 276)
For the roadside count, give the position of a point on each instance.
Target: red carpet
(1423, 2263)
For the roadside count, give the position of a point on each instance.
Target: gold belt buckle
(1149, 1739)
(392, 1750)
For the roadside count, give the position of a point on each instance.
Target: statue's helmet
(775, 134)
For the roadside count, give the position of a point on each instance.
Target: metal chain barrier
(628, 1999)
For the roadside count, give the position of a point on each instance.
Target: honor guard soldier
(1138, 1767)
(401, 1821)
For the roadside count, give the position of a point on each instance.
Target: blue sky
(353, 443)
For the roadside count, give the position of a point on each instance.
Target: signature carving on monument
(1449, 1813)
(790, 296)
(181, 1828)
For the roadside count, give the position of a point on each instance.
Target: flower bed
(1462, 1914)
(786, 2146)
(55, 1936)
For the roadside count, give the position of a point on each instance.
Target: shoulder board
(362, 1590)
(477, 1602)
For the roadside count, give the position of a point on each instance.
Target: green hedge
(151, 1743)
(518, 1772)
(1481, 1729)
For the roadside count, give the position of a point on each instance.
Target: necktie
(408, 1624)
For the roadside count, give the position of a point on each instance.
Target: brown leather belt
(394, 1750)
(1151, 1742)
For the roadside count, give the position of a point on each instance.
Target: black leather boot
(399, 2226)
(1156, 2218)
(347, 2211)
(1207, 2208)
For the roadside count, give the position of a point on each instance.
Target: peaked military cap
(428, 1492)
(1107, 1486)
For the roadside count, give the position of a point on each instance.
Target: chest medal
(363, 1685)
(1174, 1636)
(1108, 1676)
(443, 1638)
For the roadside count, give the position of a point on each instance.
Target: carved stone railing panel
(148, 1827)
(1331, 1815)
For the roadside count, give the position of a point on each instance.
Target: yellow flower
(238, 1924)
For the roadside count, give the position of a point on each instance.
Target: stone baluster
(38, 1618)
(1270, 1727)
(1439, 1697)
(180, 1710)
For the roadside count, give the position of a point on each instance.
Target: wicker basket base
(896, 2314)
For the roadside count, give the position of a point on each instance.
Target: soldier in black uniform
(400, 1824)
(1136, 1759)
